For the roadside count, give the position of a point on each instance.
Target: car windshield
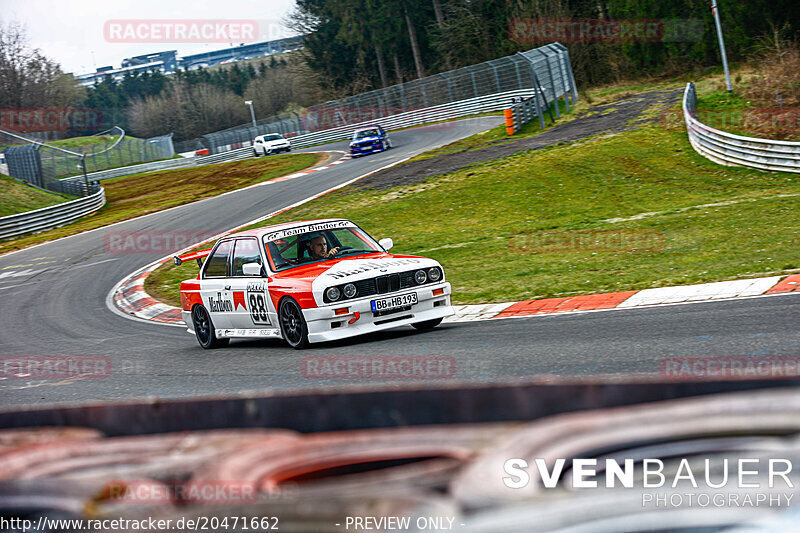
(272, 137)
(288, 249)
(365, 133)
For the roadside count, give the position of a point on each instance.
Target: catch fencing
(97, 157)
(184, 162)
(544, 71)
(42, 165)
(729, 149)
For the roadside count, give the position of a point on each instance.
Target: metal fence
(729, 149)
(233, 155)
(524, 110)
(43, 165)
(547, 67)
(52, 217)
(56, 164)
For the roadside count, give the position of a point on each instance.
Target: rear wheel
(204, 329)
(428, 324)
(293, 324)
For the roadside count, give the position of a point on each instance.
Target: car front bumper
(367, 149)
(325, 325)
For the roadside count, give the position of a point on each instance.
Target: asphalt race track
(53, 303)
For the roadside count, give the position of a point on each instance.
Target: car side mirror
(251, 269)
(386, 243)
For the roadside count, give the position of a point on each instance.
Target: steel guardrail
(417, 117)
(169, 164)
(51, 217)
(737, 150)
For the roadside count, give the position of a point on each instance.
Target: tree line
(354, 46)
(366, 44)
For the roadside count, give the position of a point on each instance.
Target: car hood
(365, 140)
(320, 276)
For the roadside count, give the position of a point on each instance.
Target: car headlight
(434, 274)
(333, 293)
(350, 290)
(420, 277)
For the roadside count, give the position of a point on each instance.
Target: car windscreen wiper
(345, 252)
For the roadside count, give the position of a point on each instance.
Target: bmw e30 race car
(307, 282)
(369, 140)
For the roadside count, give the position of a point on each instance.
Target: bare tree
(28, 78)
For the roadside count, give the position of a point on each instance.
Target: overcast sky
(71, 31)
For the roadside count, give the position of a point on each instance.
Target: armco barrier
(482, 104)
(729, 149)
(493, 102)
(51, 217)
(233, 155)
(547, 67)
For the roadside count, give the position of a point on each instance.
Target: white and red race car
(309, 281)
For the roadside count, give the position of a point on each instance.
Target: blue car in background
(368, 140)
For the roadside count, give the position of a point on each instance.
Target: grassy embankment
(627, 211)
(16, 197)
(140, 194)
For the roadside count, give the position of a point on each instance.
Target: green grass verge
(16, 197)
(140, 194)
(542, 224)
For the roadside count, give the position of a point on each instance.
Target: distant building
(168, 62)
(240, 53)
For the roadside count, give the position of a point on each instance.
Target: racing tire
(293, 325)
(204, 329)
(255, 153)
(428, 324)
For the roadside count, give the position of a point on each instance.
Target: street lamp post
(715, 11)
(252, 113)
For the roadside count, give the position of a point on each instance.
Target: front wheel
(204, 329)
(428, 324)
(293, 324)
(255, 152)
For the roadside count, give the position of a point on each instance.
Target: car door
(251, 304)
(215, 285)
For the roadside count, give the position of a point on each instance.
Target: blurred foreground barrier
(448, 475)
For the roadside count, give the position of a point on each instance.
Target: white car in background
(271, 143)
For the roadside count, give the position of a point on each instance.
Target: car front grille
(384, 284)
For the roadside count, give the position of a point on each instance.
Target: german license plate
(401, 300)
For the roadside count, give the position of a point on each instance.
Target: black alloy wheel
(293, 324)
(204, 329)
